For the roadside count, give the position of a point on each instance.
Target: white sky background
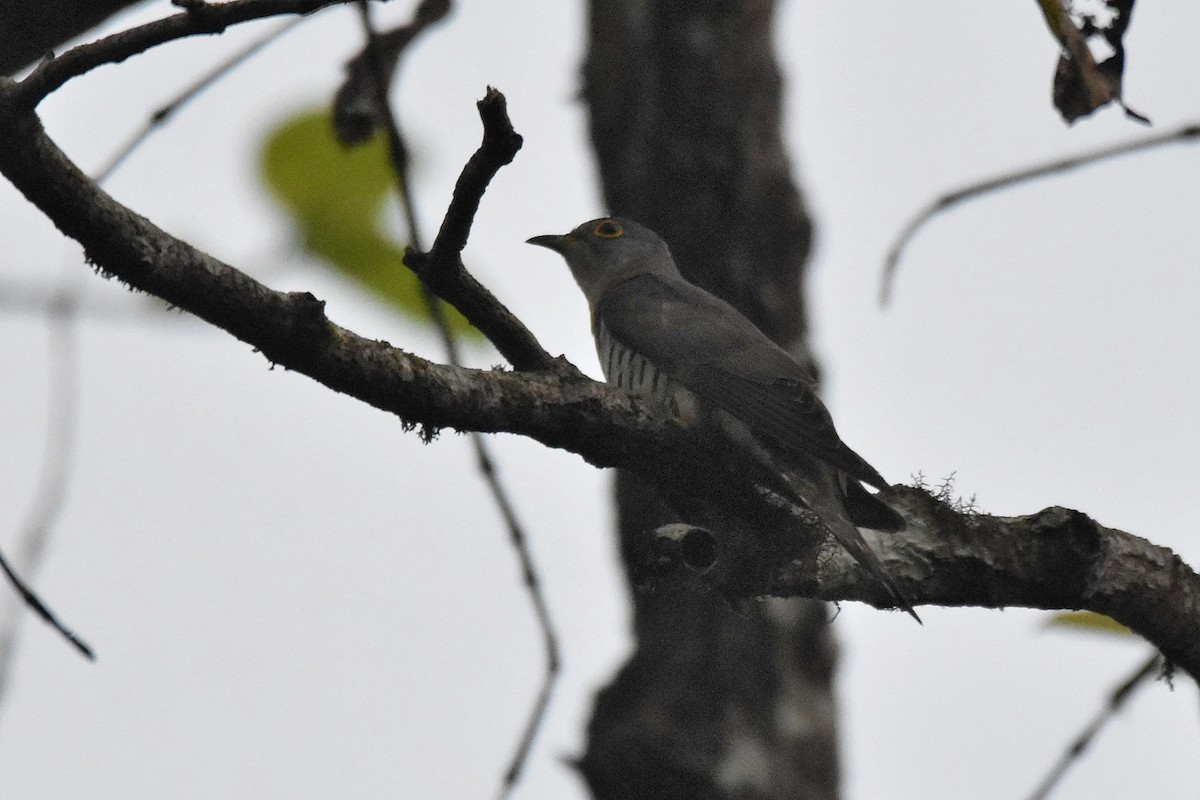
(290, 597)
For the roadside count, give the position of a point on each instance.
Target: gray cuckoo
(659, 336)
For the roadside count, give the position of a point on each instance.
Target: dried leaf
(1092, 62)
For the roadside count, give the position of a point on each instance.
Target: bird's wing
(707, 346)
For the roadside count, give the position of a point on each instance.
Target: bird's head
(604, 251)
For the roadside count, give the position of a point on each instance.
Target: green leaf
(335, 196)
(1089, 621)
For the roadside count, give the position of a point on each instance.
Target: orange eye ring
(608, 229)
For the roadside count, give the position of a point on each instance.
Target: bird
(659, 336)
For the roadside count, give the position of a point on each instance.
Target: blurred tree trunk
(684, 97)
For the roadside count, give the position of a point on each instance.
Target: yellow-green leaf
(335, 196)
(1089, 621)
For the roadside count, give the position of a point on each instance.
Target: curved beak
(552, 242)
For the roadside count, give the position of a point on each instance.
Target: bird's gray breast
(637, 375)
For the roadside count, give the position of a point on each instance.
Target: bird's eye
(609, 230)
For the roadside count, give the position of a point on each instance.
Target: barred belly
(634, 374)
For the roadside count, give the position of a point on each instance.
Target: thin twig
(971, 191)
(50, 496)
(202, 19)
(537, 713)
(498, 148)
(164, 113)
(484, 462)
(62, 309)
(442, 270)
(42, 610)
(1116, 700)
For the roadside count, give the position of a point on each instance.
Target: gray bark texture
(716, 701)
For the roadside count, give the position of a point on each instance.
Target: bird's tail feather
(868, 511)
(826, 506)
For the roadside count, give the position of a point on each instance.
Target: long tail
(825, 505)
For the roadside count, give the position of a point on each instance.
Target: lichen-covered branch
(1054, 559)
(291, 329)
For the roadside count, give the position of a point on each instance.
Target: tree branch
(29, 30)
(291, 329)
(199, 18)
(442, 270)
(1184, 134)
(1053, 559)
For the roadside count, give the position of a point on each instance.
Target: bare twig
(537, 713)
(31, 599)
(442, 269)
(361, 101)
(62, 309)
(50, 495)
(1183, 134)
(164, 113)
(383, 64)
(499, 147)
(205, 19)
(1116, 701)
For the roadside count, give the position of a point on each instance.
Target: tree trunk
(716, 702)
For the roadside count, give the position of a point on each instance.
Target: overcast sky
(291, 597)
